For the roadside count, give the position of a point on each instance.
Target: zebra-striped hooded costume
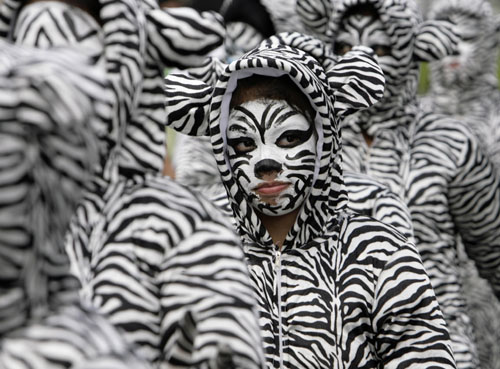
(466, 85)
(344, 291)
(431, 161)
(139, 244)
(195, 167)
(48, 148)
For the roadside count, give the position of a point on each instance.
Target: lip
(271, 188)
(454, 64)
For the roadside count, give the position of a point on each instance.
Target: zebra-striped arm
(152, 257)
(208, 313)
(369, 197)
(474, 199)
(409, 326)
(182, 37)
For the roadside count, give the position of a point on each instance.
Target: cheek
(302, 159)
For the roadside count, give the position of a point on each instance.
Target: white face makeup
(272, 153)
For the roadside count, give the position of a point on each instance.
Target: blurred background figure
(465, 86)
(431, 161)
(134, 243)
(48, 151)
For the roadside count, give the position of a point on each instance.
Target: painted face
(367, 30)
(272, 153)
(52, 24)
(471, 51)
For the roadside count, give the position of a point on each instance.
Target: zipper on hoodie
(277, 268)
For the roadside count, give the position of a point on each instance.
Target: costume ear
(315, 16)
(188, 97)
(183, 37)
(435, 40)
(356, 80)
(187, 104)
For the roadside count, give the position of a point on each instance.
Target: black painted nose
(267, 167)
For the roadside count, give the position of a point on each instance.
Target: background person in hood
(48, 149)
(433, 162)
(333, 289)
(465, 86)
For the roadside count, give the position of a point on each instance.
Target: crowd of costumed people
(249, 184)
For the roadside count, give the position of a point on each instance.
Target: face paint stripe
(277, 109)
(280, 150)
(253, 123)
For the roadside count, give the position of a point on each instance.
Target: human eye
(342, 48)
(242, 145)
(381, 50)
(292, 138)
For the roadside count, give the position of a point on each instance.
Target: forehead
(363, 26)
(464, 22)
(266, 114)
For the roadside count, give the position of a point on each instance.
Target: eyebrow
(248, 119)
(283, 118)
(237, 128)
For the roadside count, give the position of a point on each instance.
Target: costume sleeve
(207, 304)
(410, 331)
(183, 37)
(390, 209)
(474, 200)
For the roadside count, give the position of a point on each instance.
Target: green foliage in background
(424, 81)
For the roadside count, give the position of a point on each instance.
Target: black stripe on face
(275, 114)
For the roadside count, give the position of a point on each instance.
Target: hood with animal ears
(334, 87)
(412, 39)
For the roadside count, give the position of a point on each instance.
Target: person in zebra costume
(335, 290)
(432, 161)
(196, 168)
(466, 87)
(48, 149)
(138, 242)
(193, 159)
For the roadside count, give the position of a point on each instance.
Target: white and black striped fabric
(164, 266)
(155, 258)
(431, 161)
(465, 86)
(344, 291)
(176, 37)
(48, 150)
(196, 168)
